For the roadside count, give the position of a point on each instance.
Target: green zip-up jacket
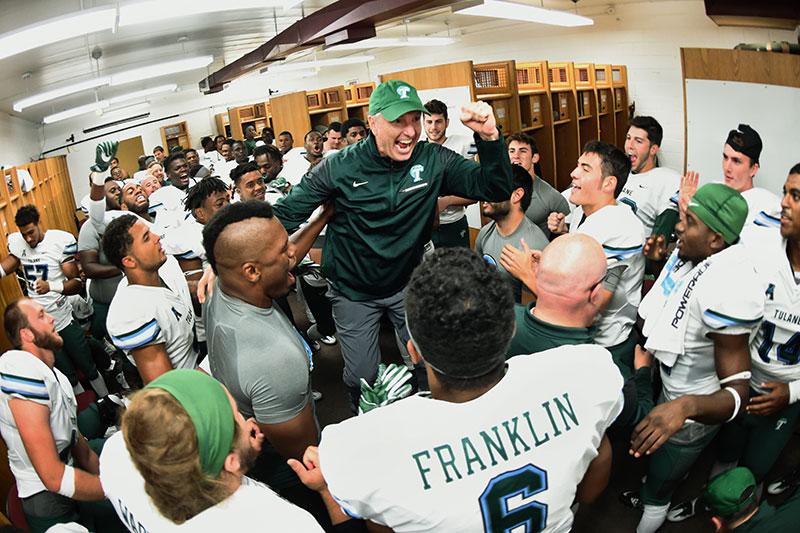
(384, 209)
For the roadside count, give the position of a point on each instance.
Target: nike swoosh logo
(357, 184)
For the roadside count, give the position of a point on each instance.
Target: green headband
(209, 408)
(721, 208)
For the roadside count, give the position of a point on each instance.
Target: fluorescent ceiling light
(514, 11)
(104, 104)
(142, 12)
(139, 74)
(320, 63)
(75, 111)
(46, 96)
(141, 94)
(394, 43)
(57, 29)
(162, 69)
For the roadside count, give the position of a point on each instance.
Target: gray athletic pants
(358, 329)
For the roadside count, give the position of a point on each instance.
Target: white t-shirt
(125, 488)
(726, 298)
(44, 262)
(466, 148)
(26, 377)
(140, 316)
(621, 234)
(775, 349)
(458, 465)
(649, 194)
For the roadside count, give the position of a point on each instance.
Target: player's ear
(716, 242)
(251, 272)
(26, 335)
(198, 214)
(535, 158)
(232, 463)
(412, 351)
(128, 261)
(610, 184)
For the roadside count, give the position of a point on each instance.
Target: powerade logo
(416, 172)
(403, 91)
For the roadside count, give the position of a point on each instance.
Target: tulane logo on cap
(416, 172)
(403, 91)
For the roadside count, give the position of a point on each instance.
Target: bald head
(570, 268)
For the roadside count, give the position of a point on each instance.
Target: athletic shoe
(632, 499)
(329, 340)
(316, 395)
(784, 483)
(684, 510)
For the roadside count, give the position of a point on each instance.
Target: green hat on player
(731, 492)
(394, 98)
(721, 208)
(209, 409)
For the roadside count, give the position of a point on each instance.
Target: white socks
(652, 518)
(99, 386)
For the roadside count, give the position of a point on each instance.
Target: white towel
(666, 308)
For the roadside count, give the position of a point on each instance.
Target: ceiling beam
(344, 21)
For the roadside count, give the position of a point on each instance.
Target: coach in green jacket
(385, 190)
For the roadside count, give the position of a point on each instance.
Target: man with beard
(180, 459)
(51, 461)
(509, 225)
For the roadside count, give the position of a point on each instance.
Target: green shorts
(670, 463)
(757, 441)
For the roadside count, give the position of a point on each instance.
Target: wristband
(736, 377)
(794, 391)
(56, 286)
(67, 482)
(737, 402)
(2, 272)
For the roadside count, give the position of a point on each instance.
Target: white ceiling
(226, 36)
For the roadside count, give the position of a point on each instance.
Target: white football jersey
(167, 204)
(775, 349)
(509, 458)
(124, 486)
(140, 315)
(44, 262)
(26, 377)
(763, 207)
(621, 234)
(725, 298)
(649, 194)
(185, 241)
(465, 147)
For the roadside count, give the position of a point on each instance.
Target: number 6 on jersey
(526, 481)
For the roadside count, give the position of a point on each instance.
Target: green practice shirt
(533, 335)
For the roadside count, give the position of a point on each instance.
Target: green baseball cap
(731, 492)
(721, 208)
(394, 98)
